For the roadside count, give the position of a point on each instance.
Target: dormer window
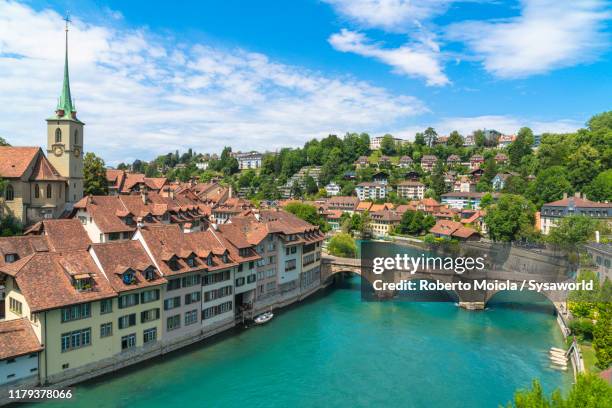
(129, 220)
(149, 273)
(128, 277)
(173, 264)
(191, 261)
(10, 258)
(225, 258)
(83, 283)
(209, 260)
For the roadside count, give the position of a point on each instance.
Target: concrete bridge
(474, 299)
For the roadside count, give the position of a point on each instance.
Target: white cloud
(415, 59)
(143, 95)
(390, 15)
(548, 34)
(505, 124)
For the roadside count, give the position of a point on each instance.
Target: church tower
(65, 138)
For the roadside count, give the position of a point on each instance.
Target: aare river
(336, 351)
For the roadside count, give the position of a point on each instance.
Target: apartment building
(464, 200)
(248, 160)
(412, 190)
(551, 213)
(371, 191)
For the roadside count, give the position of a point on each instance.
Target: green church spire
(65, 103)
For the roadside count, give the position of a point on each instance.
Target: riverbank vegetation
(592, 317)
(589, 391)
(342, 245)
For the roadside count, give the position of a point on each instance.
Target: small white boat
(557, 349)
(264, 318)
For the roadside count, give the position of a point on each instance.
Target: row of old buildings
(76, 305)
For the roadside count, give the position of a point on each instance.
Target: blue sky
(149, 77)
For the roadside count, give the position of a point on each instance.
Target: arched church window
(58, 135)
(36, 191)
(76, 136)
(49, 191)
(10, 193)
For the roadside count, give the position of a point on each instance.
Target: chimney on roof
(229, 195)
(143, 194)
(577, 194)
(564, 196)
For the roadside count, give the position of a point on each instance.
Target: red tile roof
(578, 202)
(118, 257)
(17, 338)
(46, 279)
(44, 170)
(14, 161)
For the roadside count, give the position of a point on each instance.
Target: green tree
(94, 175)
(455, 139)
(479, 138)
(600, 188)
(510, 219)
(583, 166)
(515, 185)
(387, 145)
(431, 136)
(589, 391)
(602, 333)
(486, 200)
(521, 146)
(550, 185)
(419, 139)
(573, 230)
(310, 185)
(3, 142)
(308, 213)
(342, 245)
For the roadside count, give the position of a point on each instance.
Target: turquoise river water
(336, 351)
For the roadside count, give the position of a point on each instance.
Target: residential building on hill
(405, 162)
(413, 190)
(248, 160)
(371, 191)
(476, 161)
(332, 189)
(464, 200)
(552, 213)
(376, 142)
(428, 162)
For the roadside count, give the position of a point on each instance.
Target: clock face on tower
(77, 152)
(58, 150)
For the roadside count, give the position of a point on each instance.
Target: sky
(150, 77)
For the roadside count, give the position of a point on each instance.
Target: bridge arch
(526, 299)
